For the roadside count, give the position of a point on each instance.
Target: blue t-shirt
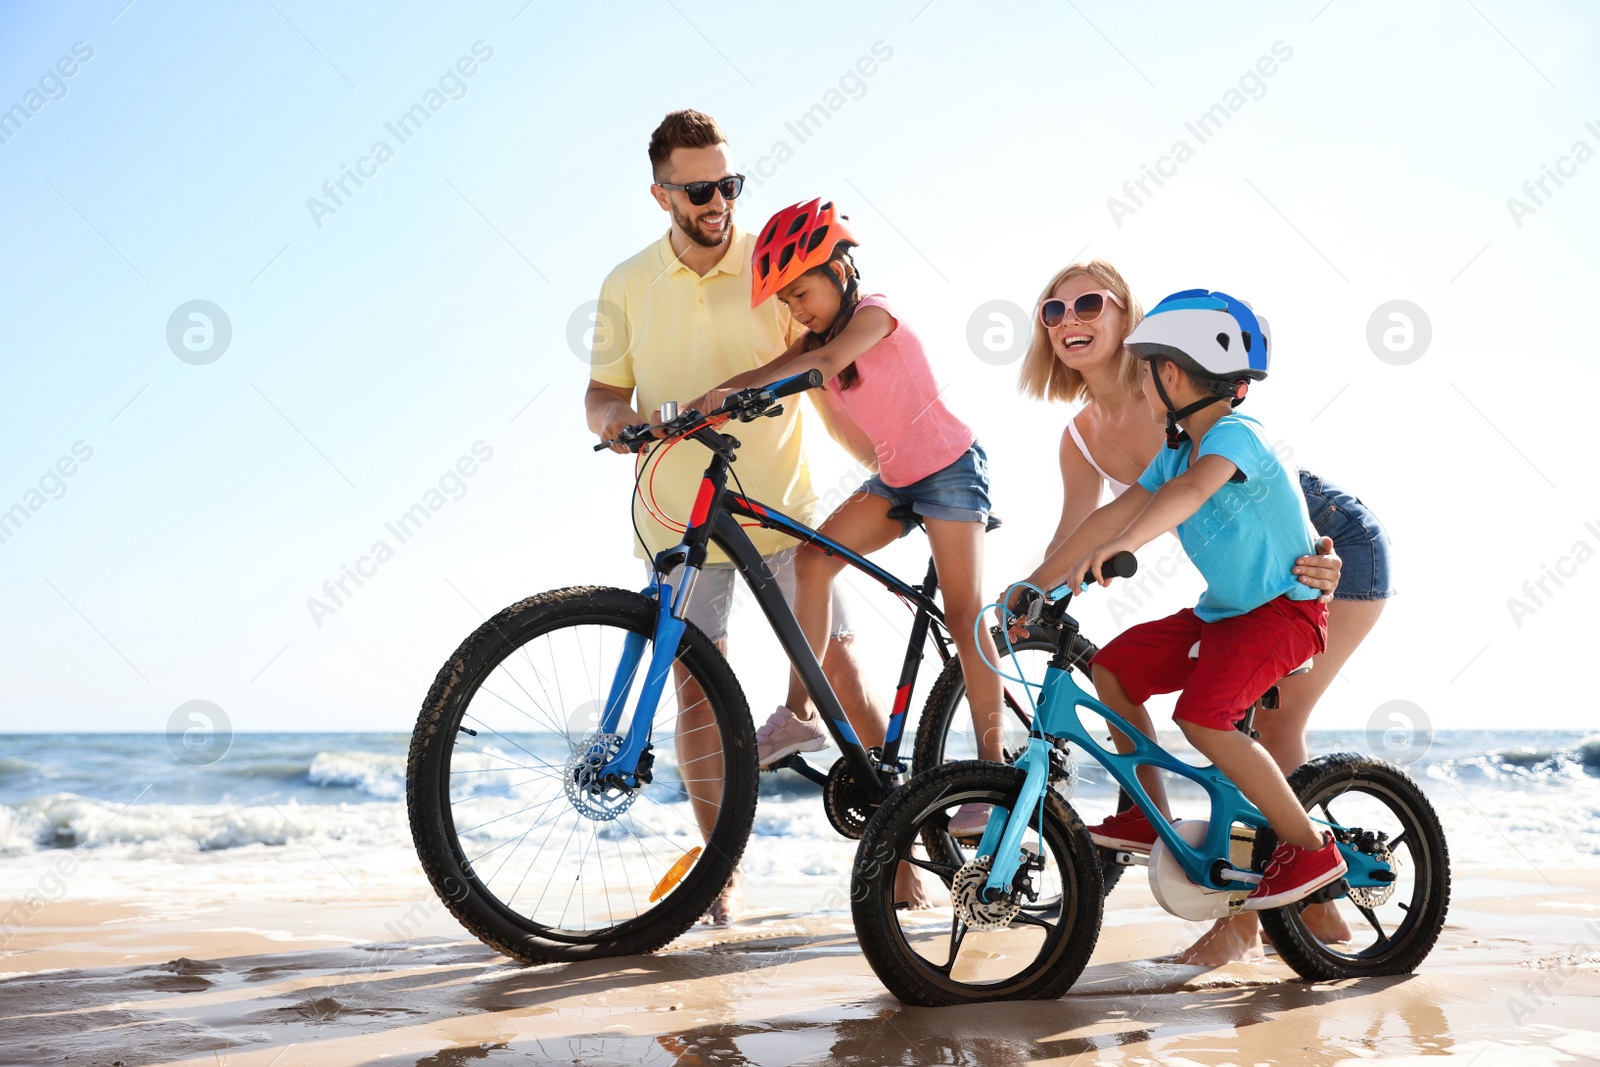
(1246, 538)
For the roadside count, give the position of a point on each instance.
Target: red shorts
(1240, 658)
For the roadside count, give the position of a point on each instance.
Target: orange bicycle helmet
(793, 241)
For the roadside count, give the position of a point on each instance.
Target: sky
(188, 485)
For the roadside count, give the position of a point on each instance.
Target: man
(674, 321)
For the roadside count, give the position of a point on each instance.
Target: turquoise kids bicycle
(1026, 897)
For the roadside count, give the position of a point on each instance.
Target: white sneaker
(785, 734)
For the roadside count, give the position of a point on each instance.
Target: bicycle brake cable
(1005, 635)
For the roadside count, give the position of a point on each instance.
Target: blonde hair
(1044, 376)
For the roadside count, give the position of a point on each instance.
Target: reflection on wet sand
(781, 989)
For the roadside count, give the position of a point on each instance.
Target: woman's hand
(1322, 570)
(1011, 615)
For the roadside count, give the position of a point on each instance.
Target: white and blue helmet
(1213, 337)
(1209, 334)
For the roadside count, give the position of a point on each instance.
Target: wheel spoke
(1372, 920)
(944, 871)
(958, 934)
(1032, 920)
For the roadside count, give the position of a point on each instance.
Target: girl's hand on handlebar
(708, 401)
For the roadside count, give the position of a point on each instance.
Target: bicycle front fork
(623, 769)
(1002, 837)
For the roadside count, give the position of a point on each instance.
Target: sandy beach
(324, 972)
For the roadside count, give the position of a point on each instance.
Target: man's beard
(690, 227)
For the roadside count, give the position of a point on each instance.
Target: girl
(928, 461)
(1077, 353)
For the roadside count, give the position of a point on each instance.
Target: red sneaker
(1128, 830)
(1294, 873)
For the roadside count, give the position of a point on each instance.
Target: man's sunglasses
(699, 193)
(1086, 307)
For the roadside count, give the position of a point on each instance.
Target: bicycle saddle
(903, 513)
(1304, 668)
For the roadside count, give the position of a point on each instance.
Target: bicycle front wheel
(524, 846)
(974, 950)
(946, 732)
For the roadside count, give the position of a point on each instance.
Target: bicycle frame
(714, 520)
(1058, 716)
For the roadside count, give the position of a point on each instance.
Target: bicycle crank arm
(798, 765)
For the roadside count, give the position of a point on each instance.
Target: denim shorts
(1358, 537)
(958, 492)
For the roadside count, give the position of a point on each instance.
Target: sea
(282, 810)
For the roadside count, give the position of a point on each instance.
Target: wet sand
(363, 980)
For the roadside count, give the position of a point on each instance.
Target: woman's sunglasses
(699, 193)
(1086, 307)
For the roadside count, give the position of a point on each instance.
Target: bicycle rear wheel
(974, 951)
(520, 843)
(1392, 928)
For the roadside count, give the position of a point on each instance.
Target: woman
(1077, 353)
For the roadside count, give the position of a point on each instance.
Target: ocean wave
(11, 765)
(66, 820)
(374, 773)
(1525, 764)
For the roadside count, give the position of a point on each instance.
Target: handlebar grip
(810, 379)
(1122, 565)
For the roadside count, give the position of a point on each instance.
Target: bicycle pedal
(1335, 890)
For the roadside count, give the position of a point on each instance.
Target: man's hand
(609, 410)
(613, 428)
(1322, 570)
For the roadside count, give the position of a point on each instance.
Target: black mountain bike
(582, 777)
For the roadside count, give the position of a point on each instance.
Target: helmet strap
(1176, 435)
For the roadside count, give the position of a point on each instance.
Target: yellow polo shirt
(670, 334)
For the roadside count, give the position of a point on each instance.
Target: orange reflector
(675, 875)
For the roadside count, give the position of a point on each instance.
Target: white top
(1117, 488)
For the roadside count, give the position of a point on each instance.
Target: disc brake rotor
(966, 892)
(585, 792)
(1372, 896)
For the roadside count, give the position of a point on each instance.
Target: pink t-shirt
(895, 401)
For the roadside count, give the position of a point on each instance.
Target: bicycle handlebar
(746, 405)
(799, 383)
(1031, 604)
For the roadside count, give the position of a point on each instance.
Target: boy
(1242, 520)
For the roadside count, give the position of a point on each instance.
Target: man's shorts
(719, 584)
(1240, 658)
